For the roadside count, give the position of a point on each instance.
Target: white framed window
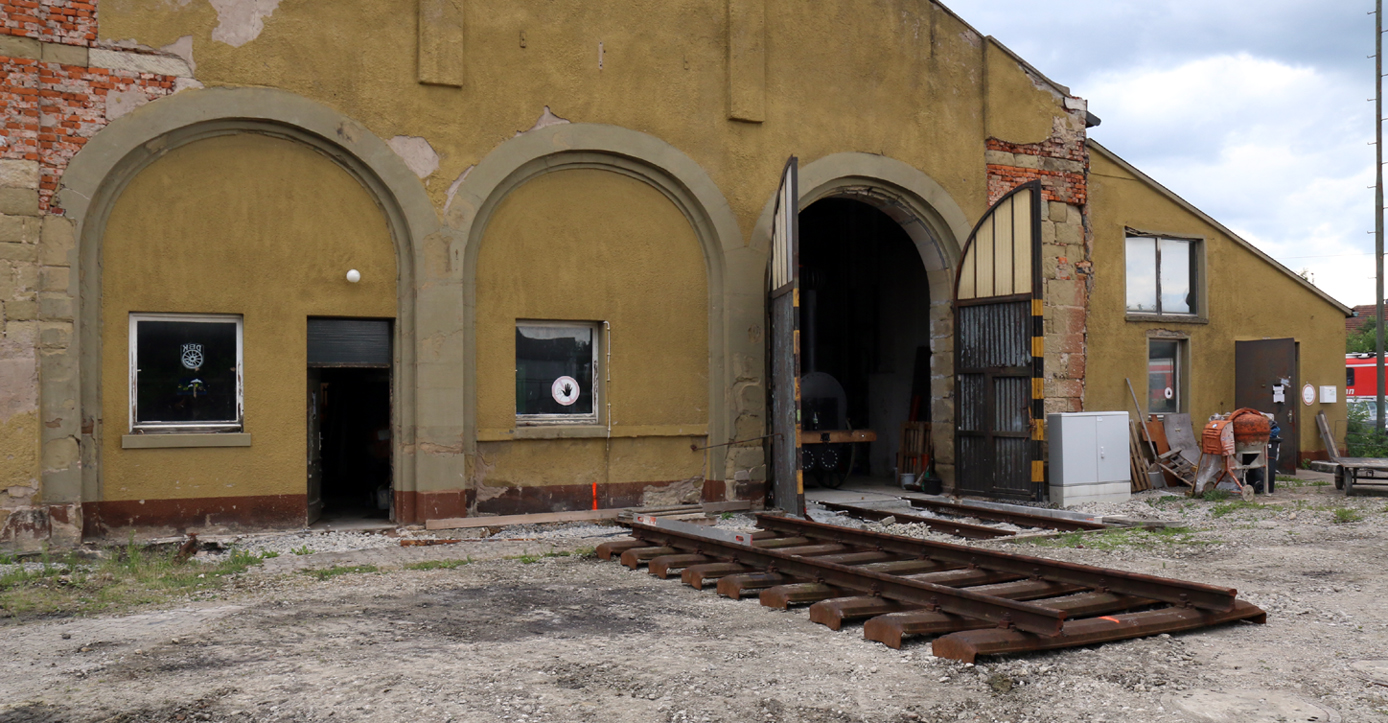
(1162, 275)
(185, 373)
(557, 372)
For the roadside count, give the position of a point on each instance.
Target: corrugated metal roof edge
(1347, 311)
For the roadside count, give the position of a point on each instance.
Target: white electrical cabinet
(1089, 457)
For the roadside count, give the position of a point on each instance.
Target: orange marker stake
(595, 495)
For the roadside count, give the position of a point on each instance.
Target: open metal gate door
(998, 348)
(783, 302)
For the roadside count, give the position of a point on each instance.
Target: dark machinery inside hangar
(864, 345)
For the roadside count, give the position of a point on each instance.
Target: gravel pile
(310, 542)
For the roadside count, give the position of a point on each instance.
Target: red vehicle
(1361, 377)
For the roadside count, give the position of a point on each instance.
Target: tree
(1365, 340)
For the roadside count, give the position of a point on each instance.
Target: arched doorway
(924, 213)
(864, 333)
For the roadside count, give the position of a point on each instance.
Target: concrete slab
(1248, 706)
(1373, 671)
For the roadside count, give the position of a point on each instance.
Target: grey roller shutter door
(349, 342)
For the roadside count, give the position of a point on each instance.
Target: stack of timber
(1142, 478)
(973, 601)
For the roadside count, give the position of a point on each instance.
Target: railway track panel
(974, 601)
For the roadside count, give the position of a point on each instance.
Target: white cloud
(1274, 151)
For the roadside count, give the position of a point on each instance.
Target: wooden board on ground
(456, 523)
(1180, 434)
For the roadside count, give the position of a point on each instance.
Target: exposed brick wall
(50, 110)
(72, 108)
(52, 21)
(57, 90)
(1061, 164)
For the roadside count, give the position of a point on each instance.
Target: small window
(1349, 379)
(556, 372)
(1162, 275)
(185, 373)
(1164, 377)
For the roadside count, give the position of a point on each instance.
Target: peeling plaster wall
(239, 224)
(909, 82)
(593, 245)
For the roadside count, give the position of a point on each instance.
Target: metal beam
(1179, 592)
(1024, 616)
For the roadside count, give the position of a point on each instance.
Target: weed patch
(327, 573)
(532, 559)
(1226, 508)
(1129, 537)
(131, 577)
(1346, 515)
(438, 564)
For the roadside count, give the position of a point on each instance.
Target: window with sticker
(185, 373)
(557, 372)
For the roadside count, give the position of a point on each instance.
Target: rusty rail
(1178, 592)
(958, 529)
(1025, 616)
(978, 602)
(1020, 519)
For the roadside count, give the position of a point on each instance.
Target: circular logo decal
(1308, 394)
(1170, 393)
(192, 356)
(565, 390)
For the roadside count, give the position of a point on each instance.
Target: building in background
(438, 258)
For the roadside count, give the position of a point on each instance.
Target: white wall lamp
(354, 276)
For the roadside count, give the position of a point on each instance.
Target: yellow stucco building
(439, 258)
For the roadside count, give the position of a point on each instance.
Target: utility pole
(1378, 205)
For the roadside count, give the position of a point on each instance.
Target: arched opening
(219, 259)
(865, 353)
(591, 336)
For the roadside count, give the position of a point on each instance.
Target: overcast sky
(1255, 112)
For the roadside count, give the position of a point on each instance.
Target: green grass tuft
(1225, 508)
(532, 559)
(132, 576)
(1127, 537)
(1346, 515)
(303, 550)
(331, 572)
(438, 564)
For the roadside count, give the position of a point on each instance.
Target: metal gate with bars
(998, 352)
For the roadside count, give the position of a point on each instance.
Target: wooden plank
(1180, 434)
(729, 506)
(456, 523)
(837, 436)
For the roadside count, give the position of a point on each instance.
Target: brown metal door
(783, 305)
(998, 352)
(315, 445)
(1258, 366)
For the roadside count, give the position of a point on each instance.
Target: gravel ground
(573, 639)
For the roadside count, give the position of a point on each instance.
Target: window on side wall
(185, 373)
(1165, 376)
(1162, 275)
(557, 372)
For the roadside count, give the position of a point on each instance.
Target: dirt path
(573, 639)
